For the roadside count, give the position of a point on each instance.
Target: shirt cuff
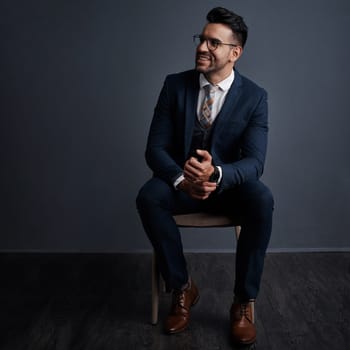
(220, 172)
(178, 181)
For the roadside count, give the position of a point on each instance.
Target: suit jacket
(239, 135)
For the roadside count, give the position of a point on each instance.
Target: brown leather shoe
(179, 315)
(243, 331)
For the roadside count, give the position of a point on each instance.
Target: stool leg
(237, 231)
(253, 309)
(155, 289)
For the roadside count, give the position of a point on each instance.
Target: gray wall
(79, 80)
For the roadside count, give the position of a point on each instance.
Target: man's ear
(236, 53)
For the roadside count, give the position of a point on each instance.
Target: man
(206, 148)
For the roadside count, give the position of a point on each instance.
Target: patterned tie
(205, 116)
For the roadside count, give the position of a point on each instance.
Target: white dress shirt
(219, 97)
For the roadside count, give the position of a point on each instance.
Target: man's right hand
(200, 190)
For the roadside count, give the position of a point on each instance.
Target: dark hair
(231, 19)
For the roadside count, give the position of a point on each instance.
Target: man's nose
(203, 46)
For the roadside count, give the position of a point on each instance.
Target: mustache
(204, 55)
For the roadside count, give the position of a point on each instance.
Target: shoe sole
(195, 301)
(250, 342)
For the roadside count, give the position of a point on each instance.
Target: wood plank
(102, 301)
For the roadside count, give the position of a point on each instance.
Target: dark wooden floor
(102, 301)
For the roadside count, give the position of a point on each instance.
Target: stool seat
(202, 219)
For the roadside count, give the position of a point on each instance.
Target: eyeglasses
(212, 44)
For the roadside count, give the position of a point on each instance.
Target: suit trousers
(250, 205)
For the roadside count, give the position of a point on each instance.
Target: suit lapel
(229, 107)
(190, 109)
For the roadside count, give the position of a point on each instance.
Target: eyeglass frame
(216, 42)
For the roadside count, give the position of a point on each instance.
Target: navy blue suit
(238, 144)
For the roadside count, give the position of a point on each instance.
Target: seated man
(206, 148)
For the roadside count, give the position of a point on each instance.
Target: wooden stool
(186, 220)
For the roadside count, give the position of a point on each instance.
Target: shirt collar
(223, 84)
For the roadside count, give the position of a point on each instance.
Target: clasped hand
(197, 173)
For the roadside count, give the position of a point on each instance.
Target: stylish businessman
(206, 148)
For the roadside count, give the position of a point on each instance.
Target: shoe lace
(179, 298)
(244, 310)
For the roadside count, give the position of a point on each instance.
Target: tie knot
(210, 89)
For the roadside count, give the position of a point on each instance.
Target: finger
(200, 194)
(191, 179)
(191, 171)
(204, 154)
(208, 186)
(195, 163)
(191, 168)
(200, 172)
(190, 176)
